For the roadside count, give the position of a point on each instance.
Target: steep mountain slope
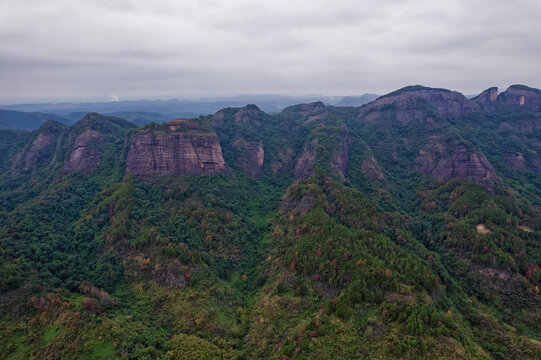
(406, 228)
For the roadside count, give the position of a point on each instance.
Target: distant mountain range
(140, 112)
(20, 120)
(357, 100)
(405, 228)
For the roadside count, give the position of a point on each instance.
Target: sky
(90, 50)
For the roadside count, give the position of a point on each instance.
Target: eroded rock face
(172, 150)
(42, 150)
(408, 104)
(85, 154)
(305, 165)
(312, 112)
(338, 162)
(521, 95)
(249, 114)
(487, 99)
(251, 156)
(218, 118)
(460, 165)
(315, 111)
(284, 161)
(36, 154)
(340, 159)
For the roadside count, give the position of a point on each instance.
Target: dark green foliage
(389, 264)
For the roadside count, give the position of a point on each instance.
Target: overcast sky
(58, 50)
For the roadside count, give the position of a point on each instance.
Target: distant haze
(101, 50)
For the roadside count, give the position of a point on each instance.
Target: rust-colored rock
(338, 162)
(85, 154)
(460, 165)
(175, 148)
(487, 99)
(305, 165)
(521, 95)
(41, 151)
(312, 112)
(38, 150)
(340, 158)
(249, 114)
(87, 139)
(414, 102)
(284, 161)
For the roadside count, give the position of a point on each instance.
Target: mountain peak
(521, 95)
(415, 102)
(487, 98)
(52, 125)
(416, 88)
(96, 120)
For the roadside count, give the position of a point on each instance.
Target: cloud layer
(97, 49)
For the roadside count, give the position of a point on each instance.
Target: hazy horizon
(87, 51)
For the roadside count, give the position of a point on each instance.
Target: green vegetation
(374, 260)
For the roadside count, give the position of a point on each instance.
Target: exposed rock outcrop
(283, 161)
(305, 165)
(337, 163)
(87, 139)
(37, 151)
(178, 147)
(311, 112)
(340, 158)
(251, 156)
(487, 99)
(521, 95)
(415, 102)
(461, 164)
(249, 114)
(41, 151)
(85, 154)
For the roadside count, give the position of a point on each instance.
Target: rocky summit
(405, 228)
(178, 147)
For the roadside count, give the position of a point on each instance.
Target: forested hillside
(407, 228)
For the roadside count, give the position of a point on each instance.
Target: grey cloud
(182, 48)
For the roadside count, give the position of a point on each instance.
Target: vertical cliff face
(41, 151)
(179, 147)
(413, 103)
(487, 99)
(329, 140)
(305, 164)
(461, 164)
(86, 151)
(340, 158)
(86, 140)
(37, 153)
(521, 95)
(241, 131)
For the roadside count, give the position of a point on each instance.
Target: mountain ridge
(406, 228)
